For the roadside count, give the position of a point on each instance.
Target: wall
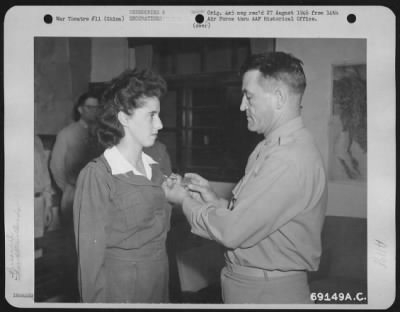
(53, 85)
(110, 56)
(80, 55)
(62, 69)
(318, 55)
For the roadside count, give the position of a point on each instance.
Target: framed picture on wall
(348, 125)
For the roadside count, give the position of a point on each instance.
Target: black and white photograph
(216, 167)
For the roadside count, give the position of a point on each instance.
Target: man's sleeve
(57, 161)
(269, 199)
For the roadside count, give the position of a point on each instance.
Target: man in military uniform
(271, 227)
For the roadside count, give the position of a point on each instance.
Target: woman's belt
(154, 251)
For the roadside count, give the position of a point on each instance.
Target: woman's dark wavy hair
(280, 66)
(122, 94)
(81, 100)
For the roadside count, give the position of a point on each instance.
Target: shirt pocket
(136, 210)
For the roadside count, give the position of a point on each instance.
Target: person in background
(121, 214)
(271, 227)
(73, 149)
(43, 190)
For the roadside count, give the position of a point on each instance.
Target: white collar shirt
(119, 164)
(275, 218)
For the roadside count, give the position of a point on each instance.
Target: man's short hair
(280, 66)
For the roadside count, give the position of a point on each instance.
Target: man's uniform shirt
(275, 218)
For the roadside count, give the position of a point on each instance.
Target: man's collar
(83, 123)
(284, 130)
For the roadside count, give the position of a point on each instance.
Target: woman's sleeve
(90, 217)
